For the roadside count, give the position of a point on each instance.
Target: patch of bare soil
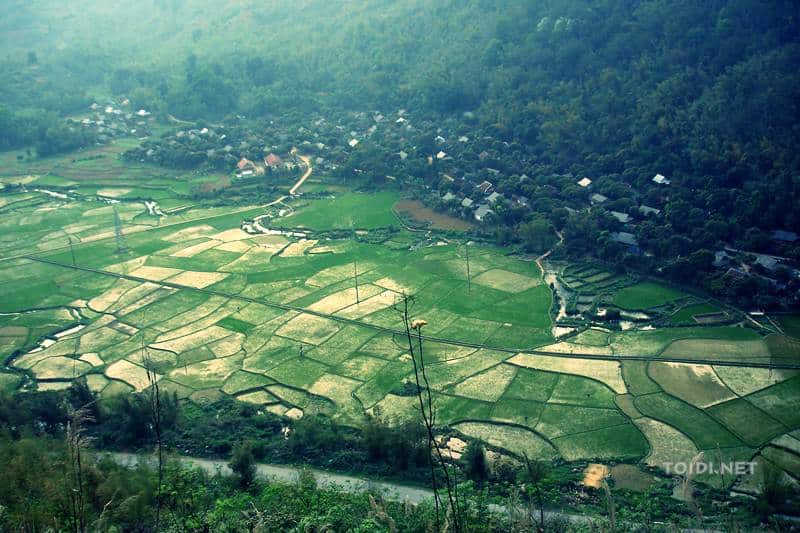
(418, 212)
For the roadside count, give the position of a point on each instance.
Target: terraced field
(305, 325)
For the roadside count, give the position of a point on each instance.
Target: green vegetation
(158, 243)
(343, 212)
(645, 295)
(685, 315)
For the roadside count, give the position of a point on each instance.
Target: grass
(215, 345)
(581, 391)
(646, 295)
(235, 324)
(559, 420)
(686, 314)
(346, 211)
(621, 442)
(695, 384)
(780, 401)
(516, 440)
(751, 424)
(790, 324)
(704, 431)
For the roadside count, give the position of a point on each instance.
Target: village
(454, 166)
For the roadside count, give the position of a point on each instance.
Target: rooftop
(623, 237)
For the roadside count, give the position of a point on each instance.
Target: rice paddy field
(299, 325)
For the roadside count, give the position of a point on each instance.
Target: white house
(660, 179)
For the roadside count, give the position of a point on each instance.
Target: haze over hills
(703, 89)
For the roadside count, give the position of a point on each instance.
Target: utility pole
(71, 249)
(469, 281)
(355, 276)
(122, 248)
(355, 261)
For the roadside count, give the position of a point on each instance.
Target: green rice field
(300, 325)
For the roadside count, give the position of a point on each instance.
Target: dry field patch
(578, 349)
(193, 250)
(132, 374)
(260, 397)
(667, 444)
(231, 235)
(190, 233)
(198, 280)
(299, 248)
(60, 368)
(378, 302)
(234, 246)
(608, 372)
(254, 257)
(488, 385)
(344, 298)
(392, 285)
(93, 359)
(697, 384)
(196, 339)
(113, 193)
(506, 281)
(155, 273)
(335, 387)
(101, 303)
(594, 474)
(211, 373)
(308, 328)
(513, 439)
(744, 381)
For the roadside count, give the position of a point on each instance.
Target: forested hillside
(702, 88)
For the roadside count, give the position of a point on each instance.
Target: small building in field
(485, 187)
(482, 212)
(597, 198)
(273, 161)
(660, 179)
(623, 237)
(623, 218)
(585, 182)
(245, 164)
(245, 168)
(494, 197)
(647, 210)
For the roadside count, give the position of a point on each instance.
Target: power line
(439, 340)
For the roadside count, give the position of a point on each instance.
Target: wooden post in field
(469, 281)
(355, 277)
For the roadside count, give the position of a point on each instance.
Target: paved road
(305, 176)
(289, 474)
(325, 479)
(352, 484)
